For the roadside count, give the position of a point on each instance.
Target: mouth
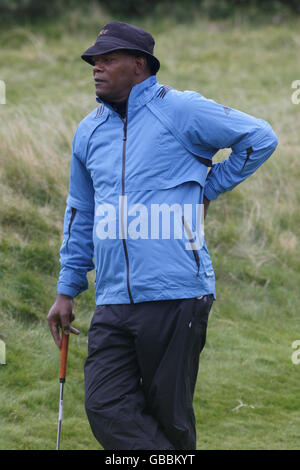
(99, 81)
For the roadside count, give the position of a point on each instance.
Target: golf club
(62, 379)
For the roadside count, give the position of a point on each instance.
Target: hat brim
(110, 44)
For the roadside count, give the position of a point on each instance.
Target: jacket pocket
(73, 213)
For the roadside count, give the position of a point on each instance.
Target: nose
(98, 67)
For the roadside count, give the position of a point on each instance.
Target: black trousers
(141, 371)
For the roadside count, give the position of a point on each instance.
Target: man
(141, 157)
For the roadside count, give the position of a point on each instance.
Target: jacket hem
(172, 294)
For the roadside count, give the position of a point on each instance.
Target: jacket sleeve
(251, 140)
(77, 249)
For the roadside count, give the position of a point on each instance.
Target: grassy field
(247, 394)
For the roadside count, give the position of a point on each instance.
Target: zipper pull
(125, 129)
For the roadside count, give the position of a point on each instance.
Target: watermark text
(157, 221)
(295, 98)
(2, 352)
(2, 92)
(295, 357)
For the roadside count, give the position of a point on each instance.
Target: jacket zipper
(249, 151)
(122, 203)
(192, 242)
(70, 223)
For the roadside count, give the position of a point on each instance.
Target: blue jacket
(157, 158)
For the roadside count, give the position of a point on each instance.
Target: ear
(141, 65)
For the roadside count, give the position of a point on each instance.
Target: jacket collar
(140, 94)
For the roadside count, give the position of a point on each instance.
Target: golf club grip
(63, 355)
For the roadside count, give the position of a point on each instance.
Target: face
(115, 74)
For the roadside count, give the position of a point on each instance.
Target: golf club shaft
(62, 379)
(60, 413)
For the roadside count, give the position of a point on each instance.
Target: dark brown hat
(117, 35)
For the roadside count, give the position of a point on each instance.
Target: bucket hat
(117, 36)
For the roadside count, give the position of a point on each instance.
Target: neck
(120, 107)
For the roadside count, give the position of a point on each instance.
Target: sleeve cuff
(67, 290)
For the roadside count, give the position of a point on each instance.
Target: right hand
(60, 316)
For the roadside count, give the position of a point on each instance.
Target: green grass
(252, 232)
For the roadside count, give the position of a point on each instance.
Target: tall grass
(247, 391)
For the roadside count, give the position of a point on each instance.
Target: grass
(247, 394)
